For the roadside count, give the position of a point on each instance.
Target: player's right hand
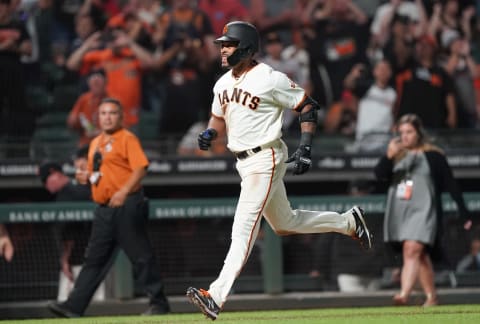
(205, 138)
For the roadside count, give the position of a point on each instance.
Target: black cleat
(202, 299)
(61, 311)
(361, 230)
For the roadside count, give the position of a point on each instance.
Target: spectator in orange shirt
(84, 115)
(123, 61)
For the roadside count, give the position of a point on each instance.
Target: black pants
(114, 228)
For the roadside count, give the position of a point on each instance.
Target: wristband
(306, 138)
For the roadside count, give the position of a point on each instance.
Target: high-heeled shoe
(400, 299)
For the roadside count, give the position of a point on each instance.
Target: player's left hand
(205, 138)
(302, 159)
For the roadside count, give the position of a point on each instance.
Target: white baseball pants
(263, 193)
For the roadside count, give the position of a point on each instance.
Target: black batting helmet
(245, 34)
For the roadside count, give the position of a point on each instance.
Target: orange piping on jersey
(297, 107)
(259, 216)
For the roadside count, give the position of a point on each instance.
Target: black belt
(244, 154)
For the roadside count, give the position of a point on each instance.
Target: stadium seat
(38, 99)
(52, 119)
(148, 125)
(53, 142)
(53, 71)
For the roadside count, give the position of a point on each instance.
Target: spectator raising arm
(74, 62)
(358, 16)
(313, 11)
(144, 56)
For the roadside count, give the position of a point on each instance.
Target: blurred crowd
(367, 62)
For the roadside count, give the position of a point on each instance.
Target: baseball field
(452, 314)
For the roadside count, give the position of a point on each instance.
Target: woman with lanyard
(418, 173)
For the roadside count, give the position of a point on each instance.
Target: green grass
(381, 315)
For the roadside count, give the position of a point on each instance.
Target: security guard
(116, 166)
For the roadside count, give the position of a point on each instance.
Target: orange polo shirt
(121, 155)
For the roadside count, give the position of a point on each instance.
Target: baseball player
(248, 104)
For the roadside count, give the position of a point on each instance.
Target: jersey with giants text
(252, 105)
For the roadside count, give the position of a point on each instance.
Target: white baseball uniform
(252, 107)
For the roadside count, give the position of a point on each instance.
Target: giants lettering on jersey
(239, 96)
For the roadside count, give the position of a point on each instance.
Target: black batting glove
(302, 159)
(205, 138)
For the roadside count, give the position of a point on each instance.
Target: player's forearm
(216, 123)
(307, 132)
(307, 127)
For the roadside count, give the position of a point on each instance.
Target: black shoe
(361, 230)
(60, 310)
(156, 310)
(202, 299)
